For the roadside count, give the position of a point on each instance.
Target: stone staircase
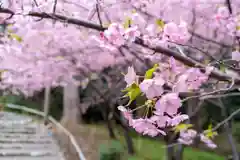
(22, 138)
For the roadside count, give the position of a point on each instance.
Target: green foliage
(160, 23)
(236, 131)
(127, 23)
(113, 151)
(36, 102)
(149, 73)
(209, 132)
(15, 36)
(181, 127)
(222, 67)
(132, 92)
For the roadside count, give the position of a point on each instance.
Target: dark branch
(228, 3)
(98, 14)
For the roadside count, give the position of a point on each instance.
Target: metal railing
(55, 122)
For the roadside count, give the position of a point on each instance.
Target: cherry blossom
(178, 119)
(176, 33)
(160, 120)
(192, 79)
(152, 87)
(39, 53)
(207, 141)
(168, 103)
(236, 55)
(187, 136)
(131, 76)
(146, 126)
(223, 12)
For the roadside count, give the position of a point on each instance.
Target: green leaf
(132, 92)
(181, 127)
(209, 132)
(222, 68)
(149, 73)
(15, 36)
(127, 23)
(210, 126)
(238, 28)
(160, 23)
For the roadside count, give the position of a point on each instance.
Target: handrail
(54, 121)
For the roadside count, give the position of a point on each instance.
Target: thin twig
(220, 96)
(210, 93)
(226, 120)
(98, 13)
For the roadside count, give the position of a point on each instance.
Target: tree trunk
(107, 119)
(127, 137)
(71, 105)
(235, 155)
(47, 94)
(170, 151)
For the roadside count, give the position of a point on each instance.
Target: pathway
(22, 138)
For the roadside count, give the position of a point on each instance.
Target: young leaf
(222, 68)
(149, 73)
(134, 11)
(210, 133)
(132, 92)
(127, 23)
(181, 127)
(160, 23)
(15, 36)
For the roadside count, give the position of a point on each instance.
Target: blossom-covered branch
(186, 60)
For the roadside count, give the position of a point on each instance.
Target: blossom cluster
(164, 104)
(117, 34)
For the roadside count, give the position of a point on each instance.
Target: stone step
(32, 158)
(30, 124)
(23, 139)
(9, 152)
(11, 140)
(17, 135)
(14, 121)
(30, 127)
(25, 146)
(22, 128)
(22, 131)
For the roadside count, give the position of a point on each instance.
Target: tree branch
(228, 3)
(186, 60)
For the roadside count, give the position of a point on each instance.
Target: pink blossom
(114, 34)
(137, 19)
(209, 70)
(168, 103)
(146, 127)
(131, 76)
(131, 34)
(160, 120)
(207, 141)
(127, 114)
(178, 119)
(187, 136)
(152, 29)
(192, 79)
(152, 87)
(236, 55)
(170, 71)
(176, 33)
(223, 12)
